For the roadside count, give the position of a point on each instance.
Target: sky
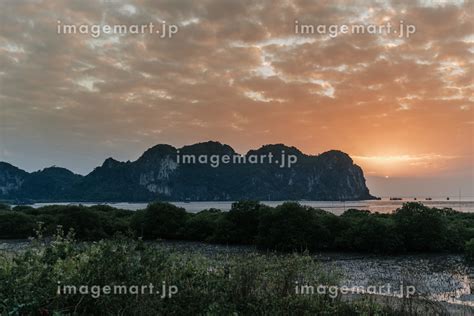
(238, 72)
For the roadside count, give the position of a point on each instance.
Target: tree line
(288, 227)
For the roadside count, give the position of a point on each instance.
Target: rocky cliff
(160, 173)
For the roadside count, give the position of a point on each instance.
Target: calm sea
(385, 205)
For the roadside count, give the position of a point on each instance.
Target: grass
(240, 284)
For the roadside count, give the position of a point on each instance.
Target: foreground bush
(248, 284)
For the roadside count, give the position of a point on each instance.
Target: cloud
(237, 72)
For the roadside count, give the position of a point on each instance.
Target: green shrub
(244, 284)
(23, 208)
(422, 228)
(16, 225)
(85, 222)
(292, 227)
(202, 226)
(240, 224)
(469, 250)
(370, 233)
(5, 207)
(160, 220)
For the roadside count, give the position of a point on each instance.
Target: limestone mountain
(160, 175)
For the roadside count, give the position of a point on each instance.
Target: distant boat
(395, 199)
(428, 199)
(447, 198)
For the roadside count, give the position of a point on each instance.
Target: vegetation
(470, 250)
(243, 284)
(237, 284)
(288, 227)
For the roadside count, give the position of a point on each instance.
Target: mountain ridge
(157, 175)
